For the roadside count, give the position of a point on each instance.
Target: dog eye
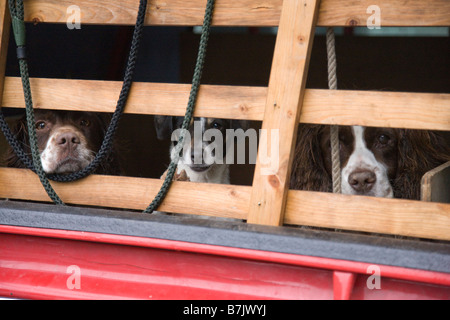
(40, 125)
(85, 123)
(216, 125)
(383, 138)
(343, 138)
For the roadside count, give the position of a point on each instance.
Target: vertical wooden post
(5, 25)
(282, 112)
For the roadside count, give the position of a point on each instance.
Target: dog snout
(362, 181)
(68, 139)
(196, 157)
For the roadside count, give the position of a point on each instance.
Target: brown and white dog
(67, 141)
(199, 160)
(381, 162)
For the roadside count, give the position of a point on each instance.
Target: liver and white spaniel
(67, 141)
(381, 162)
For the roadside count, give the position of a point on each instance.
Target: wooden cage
(282, 105)
(269, 201)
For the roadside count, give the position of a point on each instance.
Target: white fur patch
(363, 159)
(216, 173)
(52, 159)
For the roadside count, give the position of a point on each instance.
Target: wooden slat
(145, 98)
(130, 193)
(377, 215)
(393, 13)
(435, 184)
(5, 22)
(168, 12)
(345, 107)
(377, 109)
(243, 12)
(369, 214)
(282, 111)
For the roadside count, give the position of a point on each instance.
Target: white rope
(334, 129)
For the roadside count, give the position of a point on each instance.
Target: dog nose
(362, 181)
(68, 139)
(196, 157)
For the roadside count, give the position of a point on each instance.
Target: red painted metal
(343, 284)
(58, 264)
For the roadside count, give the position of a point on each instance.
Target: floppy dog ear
(308, 168)
(19, 129)
(419, 152)
(164, 127)
(104, 121)
(112, 164)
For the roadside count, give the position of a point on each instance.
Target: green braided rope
(16, 10)
(17, 14)
(105, 148)
(190, 107)
(32, 135)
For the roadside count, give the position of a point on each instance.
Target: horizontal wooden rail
(377, 215)
(321, 106)
(144, 98)
(377, 109)
(240, 13)
(369, 214)
(130, 193)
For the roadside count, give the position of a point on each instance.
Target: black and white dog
(203, 155)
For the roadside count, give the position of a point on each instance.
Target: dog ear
(164, 127)
(104, 121)
(19, 129)
(308, 168)
(419, 152)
